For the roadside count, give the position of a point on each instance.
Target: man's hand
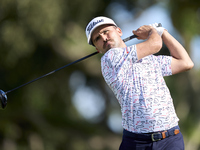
(143, 32)
(159, 29)
(152, 45)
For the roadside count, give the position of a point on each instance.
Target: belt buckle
(152, 137)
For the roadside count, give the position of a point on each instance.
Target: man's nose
(104, 37)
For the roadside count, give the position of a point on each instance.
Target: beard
(109, 44)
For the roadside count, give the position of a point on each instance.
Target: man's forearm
(181, 60)
(152, 45)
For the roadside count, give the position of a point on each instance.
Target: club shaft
(52, 72)
(129, 38)
(125, 40)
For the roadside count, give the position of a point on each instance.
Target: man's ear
(119, 31)
(98, 50)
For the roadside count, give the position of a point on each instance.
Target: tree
(37, 37)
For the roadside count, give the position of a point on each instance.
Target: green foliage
(37, 37)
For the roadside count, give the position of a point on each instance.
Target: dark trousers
(174, 142)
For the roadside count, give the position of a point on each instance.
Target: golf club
(3, 95)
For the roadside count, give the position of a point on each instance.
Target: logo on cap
(93, 24)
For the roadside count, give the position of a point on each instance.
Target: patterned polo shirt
(139, 86)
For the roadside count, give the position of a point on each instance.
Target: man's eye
(105, 31)
(96, 39)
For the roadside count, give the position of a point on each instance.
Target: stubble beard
(109, 45)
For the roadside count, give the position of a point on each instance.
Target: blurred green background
(74, 109)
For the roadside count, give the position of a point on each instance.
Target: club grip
(134, 36)
(159, 25)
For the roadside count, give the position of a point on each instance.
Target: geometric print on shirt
(139, 86)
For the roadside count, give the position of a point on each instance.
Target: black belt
(156, 136)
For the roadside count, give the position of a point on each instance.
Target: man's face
(106, 37)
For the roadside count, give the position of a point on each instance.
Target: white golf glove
(158, 29)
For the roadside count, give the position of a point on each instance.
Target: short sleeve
(165, 64)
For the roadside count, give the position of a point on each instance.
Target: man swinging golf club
(135, 76)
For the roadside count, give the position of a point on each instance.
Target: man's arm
(152, 45)
(180, 58)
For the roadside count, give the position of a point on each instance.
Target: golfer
(135, 76)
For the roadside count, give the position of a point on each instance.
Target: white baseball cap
(94, 23)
